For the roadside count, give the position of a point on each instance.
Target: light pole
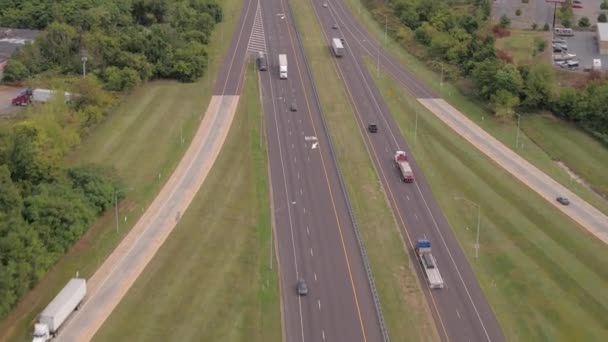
(116, 204)
(478, 222)
(385, 29)
(84, 65)
(441, 65)
(517, 134)
(416, 127)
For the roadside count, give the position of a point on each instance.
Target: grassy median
(543, 275)
(142, 140)
(535, 151)
(405, 310)
(211, 280)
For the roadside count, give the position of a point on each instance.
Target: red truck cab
(23, 99)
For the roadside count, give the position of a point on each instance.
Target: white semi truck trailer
(58, 311)
(337, 47)
(282, 66)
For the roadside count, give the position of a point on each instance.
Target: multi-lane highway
(315, 235)
(460, 310)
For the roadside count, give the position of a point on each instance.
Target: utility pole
(84, 65)
(416, 127)
(478, 222)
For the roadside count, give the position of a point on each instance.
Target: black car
(563, 200)
(261, 60)
(372, 128)
(302, 287)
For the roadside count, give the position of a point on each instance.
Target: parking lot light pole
(478, 222)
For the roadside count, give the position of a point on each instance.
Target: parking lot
(584, 46)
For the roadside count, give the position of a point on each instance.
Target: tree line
(459, 34)
(125, 41)
(46, 206)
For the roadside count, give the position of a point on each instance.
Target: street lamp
(478, 222)
(84, 60)
(116, 204)
(517, 134)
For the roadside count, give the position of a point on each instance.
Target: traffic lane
(419, 213)
(361, 40)
(229, 80)
(346, 231)
(332, 273)
(283, 222)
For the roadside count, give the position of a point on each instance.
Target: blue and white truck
(429, 264)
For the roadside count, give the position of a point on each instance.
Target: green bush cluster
(44, 206)
(125, 41)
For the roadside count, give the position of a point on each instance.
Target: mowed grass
(141, 139)
(405, 310)
(522, 44)
(211, 280)
(544, 277)
(581, 153)
(476, 111)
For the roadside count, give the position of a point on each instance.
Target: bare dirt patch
(7, 93)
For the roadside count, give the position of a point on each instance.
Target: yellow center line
(352, 282)
(373, 153)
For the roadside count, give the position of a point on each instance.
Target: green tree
(15, 71)
(505, 21)
(11, 202)
(97, 183)
(539, 86)
(584, 22)
(58, 43)
(504, 102)
(602, 18)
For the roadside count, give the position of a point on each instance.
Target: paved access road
(315, 236)
(113, 279)
(461, 310)
(579, 210)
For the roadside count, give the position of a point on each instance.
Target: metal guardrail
(351, 213)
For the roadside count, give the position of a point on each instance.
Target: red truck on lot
(404, 166)
(24, 98)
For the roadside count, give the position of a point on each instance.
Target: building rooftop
(10, 39)
(602, 32)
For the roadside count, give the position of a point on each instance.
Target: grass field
(503, 131)
(396, 281)
(522, 45)
(211, 280)
(141, 139)
(587, 157)
(543, 276)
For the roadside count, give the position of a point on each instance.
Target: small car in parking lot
(563, 200)
(302, 287)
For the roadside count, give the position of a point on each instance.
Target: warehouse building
(602, 38)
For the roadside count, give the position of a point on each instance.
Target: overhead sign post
(555, 2)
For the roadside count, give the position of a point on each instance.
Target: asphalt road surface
(315, 236)
(461, 310)
(112, 280)
(579, 210)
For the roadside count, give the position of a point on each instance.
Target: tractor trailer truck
(57, 312)
(404, 166)
(337, 47)
(283, 66)
(429, 264)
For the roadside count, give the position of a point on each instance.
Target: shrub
(534, 26)
(546, 27)
(504, 21)
(602, 18)
(604, 5)
(518, 12)
(15, 71)
(584, 22)
(525, 1)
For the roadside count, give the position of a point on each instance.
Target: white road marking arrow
(314, 145)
